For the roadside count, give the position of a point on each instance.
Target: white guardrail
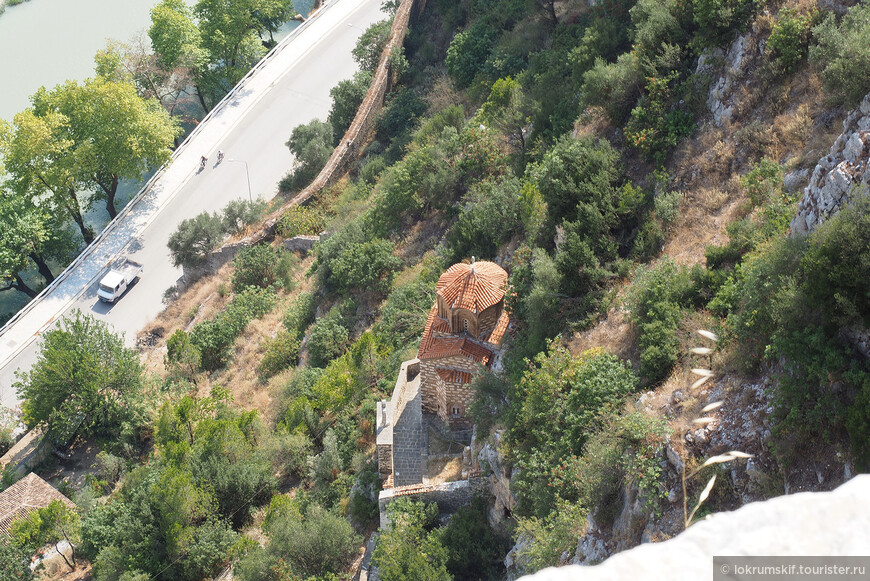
(141, 193)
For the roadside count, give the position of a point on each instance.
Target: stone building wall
(488, 318)
(408, 438)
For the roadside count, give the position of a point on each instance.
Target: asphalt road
(320, 59)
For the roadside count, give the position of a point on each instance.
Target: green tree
(368, 49)
(40, 161)
(488, 219)
(311, 146)
(229, 35)
(29, 236)
(114, 134)
(319, 545)
(51, 524)
(347, 96)
(409, 550)
(474, 550)
(84, 381)
(508, 110)
(566, 391)
(370, 265)
(327, 339)
(256, 266)
(195, 237)
(271, 14)
(15, 562)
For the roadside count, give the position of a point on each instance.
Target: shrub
(548, 537)
(182, 356)
(613, 86)
(301, 221)
(328, 339)
(311, 145)
(195, 237)
(410, 550)
(474, 551)
(300, 314)
(256, 266)
(488, 218)
(718, 20)
(839, 48)
(468, 52)
(657, 123)
(369, 46)
(837, 265)
(280, 353)
(400, 115)
(489, 402)
(347, 96)
(656, 299)
(239, 214)
(214, 338)
(404, 314)
(566, 391)
(790, 38)
(367, 266)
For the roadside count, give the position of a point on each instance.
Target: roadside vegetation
(69, 152)
(559, 141)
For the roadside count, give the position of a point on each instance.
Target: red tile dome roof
(476, 286)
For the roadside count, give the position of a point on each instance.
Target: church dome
(475, 287)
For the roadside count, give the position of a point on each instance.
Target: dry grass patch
(614, 333)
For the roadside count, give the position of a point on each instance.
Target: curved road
(253, 126)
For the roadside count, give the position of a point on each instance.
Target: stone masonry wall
(450, 496)
(357, 134)
(487, 319)
(408, 442)
(348, 150)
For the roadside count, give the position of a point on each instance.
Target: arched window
(465, 325)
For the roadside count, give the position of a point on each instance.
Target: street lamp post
(247, 174)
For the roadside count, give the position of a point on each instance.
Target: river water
(46, 42)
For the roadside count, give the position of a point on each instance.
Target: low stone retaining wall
(450, 496)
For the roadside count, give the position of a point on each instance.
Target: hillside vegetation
(575, 145)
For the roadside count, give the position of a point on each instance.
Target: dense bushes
(790, 38)
(843, 51)
(195, 237)
(84, 381)
(488, 218)
(214, 338)
(327, 339)
(260, 265)
(656, 301)
(786, 303)
(566, 391)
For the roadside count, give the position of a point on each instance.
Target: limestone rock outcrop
(808, 523)
(838, 173)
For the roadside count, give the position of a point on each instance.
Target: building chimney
(472, 265)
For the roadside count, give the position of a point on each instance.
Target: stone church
(463, 335)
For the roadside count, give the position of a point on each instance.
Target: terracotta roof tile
(25, 496)
(475, 287)
(438, 347)
(501, 327)
(454, 376)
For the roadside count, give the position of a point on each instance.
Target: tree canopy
(84, 381)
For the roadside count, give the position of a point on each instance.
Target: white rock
(808, 523)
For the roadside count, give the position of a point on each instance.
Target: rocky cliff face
(837, 175)
(810, 523)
